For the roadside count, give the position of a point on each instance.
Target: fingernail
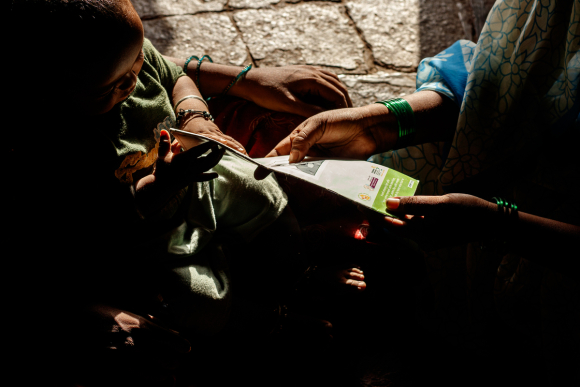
(293, 156)
(392, 203)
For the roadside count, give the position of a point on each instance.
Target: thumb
(303, 138)
(164, 144)
(416, 205)
(283, 148)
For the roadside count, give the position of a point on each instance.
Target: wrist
(383, 123)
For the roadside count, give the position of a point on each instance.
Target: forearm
(184, 87)
(435, 119)
(213, 77)
(547, 242)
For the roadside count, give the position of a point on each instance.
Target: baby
(204, 225)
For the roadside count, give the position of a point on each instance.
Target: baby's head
(89, 52)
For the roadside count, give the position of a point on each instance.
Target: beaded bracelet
(500, 243)
(182, 114)
(237, 78)
(405, 118)
(198, 68)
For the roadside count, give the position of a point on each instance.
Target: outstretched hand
(174, 170)
(301, 90)
(443, 220)
(341, 133)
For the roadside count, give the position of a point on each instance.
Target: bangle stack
(500, 243)
(198, 68)
(504, 205)
(197, 74)
(405, 118)
(182, 113)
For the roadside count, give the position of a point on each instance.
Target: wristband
(500, 242)
(405, 118)
(182, 114)
(187, 97)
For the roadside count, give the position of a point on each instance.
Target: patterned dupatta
(517, 89)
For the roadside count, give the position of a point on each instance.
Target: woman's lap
(258, 129)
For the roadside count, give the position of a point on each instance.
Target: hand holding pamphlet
(362, 182)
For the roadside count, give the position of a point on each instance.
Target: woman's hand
(207, 128)
(301, 90)
(446, 220)
(353, 133)
(174, 170)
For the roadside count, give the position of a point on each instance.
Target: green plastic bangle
(502, 203)
(187, 62)
(405, 118)
(198, 70)
(237, 78)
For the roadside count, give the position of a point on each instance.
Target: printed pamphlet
(360, 181)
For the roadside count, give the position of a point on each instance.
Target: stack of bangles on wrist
(405, 118)
(182, 113)
(198, 68)
(500, 243)
(197, 73)
(503, 205)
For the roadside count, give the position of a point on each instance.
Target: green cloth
(133, 126)
(235, 203)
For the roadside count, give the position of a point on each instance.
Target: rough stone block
(207, 33)
(440, 26)
(391, 28)
(152, 8)
(367, 89)
(305, 33)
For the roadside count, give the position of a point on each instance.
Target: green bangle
(187, 62)
(237, 78)
(198, 70)
(405, 118)
(501, 243)
(502, 203)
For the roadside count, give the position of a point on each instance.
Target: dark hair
(45, 32)
(45, 36)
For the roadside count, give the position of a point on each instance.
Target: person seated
(488, 119)
(147, 226)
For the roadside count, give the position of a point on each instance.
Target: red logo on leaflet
(372, 183)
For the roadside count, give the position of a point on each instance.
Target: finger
(192, 165)
(335, 81)
(164, 144)
(283, 147)
(416, 205)
(304, 139)
(323, 90)
(175, 147)
(197, 151)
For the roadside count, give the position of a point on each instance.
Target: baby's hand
(174, 170)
